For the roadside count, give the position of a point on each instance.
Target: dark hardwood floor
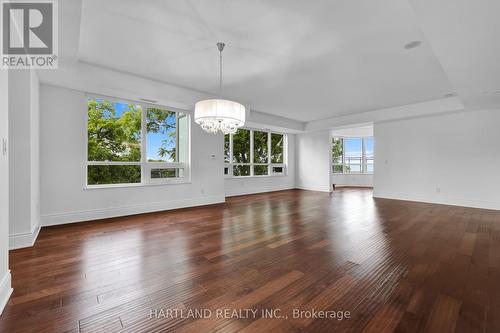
(395, 266)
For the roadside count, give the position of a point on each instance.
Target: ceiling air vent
(148, 100)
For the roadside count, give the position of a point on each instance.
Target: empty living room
(250, 166)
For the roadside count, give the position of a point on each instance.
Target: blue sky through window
(120, 108)
(165, 138)
(353, 147)
(155, 141)
(369, 147)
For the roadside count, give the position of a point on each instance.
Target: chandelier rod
(220, 46)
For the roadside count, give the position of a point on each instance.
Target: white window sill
(353, 173)
(110, 186)
(250, 177)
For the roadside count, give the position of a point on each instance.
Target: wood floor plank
(396, 266)
(444, 315)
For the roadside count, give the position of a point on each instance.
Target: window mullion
(176, 137)
(269, 147)
(251, 153)
(144, 177)
(344, 169)
(363, 156)
(231, 161)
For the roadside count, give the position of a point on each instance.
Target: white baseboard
(440, 200)
(353, 185)
(246, 191)
(317, 189)
(19, 241)
(103, 213)
(5, 290)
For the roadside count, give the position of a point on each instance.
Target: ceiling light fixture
(412, 45)
(219, 115)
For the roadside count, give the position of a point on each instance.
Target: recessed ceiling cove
(304, 60)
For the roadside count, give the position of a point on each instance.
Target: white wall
(24, 158)
(313, 152)
(35, 150)
(449, 159)
(64, 199)
(249, 185)
(361, 180)
(5, 284)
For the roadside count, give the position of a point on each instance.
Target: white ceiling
(465, 37)
(304, 60)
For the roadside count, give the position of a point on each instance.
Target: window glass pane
(353, 147)
(337, 168)
(369, 165)
(241, 170)
(227, 149)
(167, 173)
(276, 148)
(278, 170)
(161, 136)
(113, 174)
(114, 131)
(260, 170)
(226, 170)
(241, 147)
(338, 150)
(369, 147)
(260, 147)
(353, 164)
(353, 154)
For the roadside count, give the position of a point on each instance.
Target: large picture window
(352, 155)
(254, 153)
(134, 143)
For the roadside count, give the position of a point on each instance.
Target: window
(352, 155)
(133, 143)
(369, 148)
(338, 155)
(260, 153)
(254, 153)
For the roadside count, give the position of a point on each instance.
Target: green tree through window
(114, 134)
(276, 148)
(114, 131)
(254, 153)
(162, 124)
(115, 146)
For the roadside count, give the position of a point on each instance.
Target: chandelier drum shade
(219, 115)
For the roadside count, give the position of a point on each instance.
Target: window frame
(146, 166)
(364, 158)
(269, 165)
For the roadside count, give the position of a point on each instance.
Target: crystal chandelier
(219, 115)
